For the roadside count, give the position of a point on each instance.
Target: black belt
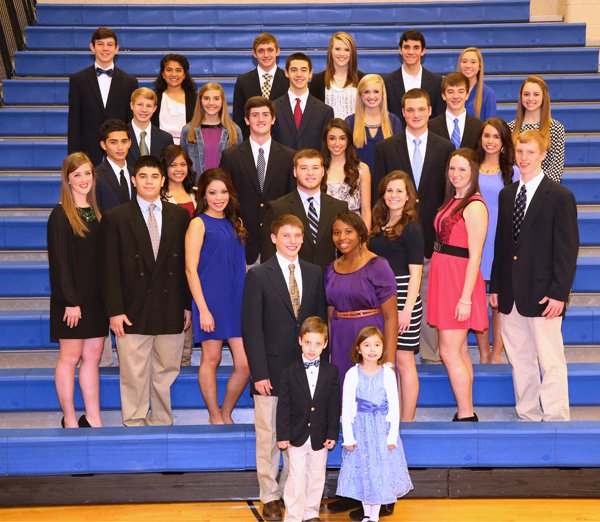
(450, 250)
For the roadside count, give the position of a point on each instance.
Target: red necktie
(297, 113)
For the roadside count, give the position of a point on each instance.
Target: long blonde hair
(199, 114)
(70, 164)
(359, 132)
(479, 86)
(545, 113)
(352, 77)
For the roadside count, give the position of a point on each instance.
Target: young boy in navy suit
(308, 421)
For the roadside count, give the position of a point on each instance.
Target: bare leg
(483, 342)
(408, 384)
(89, 380)
(497, 343)
(464, 353)
(238, 379)
(64, 377)
(451, 348)
(207, 378)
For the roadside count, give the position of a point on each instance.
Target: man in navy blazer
(413, 75)
(113, 175)
(153, 140)
(278, 296)
(96, 94)
(300, 116)
(535, 254)
(266, 80)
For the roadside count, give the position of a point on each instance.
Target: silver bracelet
(460, 300)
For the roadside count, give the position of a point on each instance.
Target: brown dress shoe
(272, 511)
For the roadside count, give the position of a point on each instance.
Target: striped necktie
(455, 138)
(519, 212)
(153, 229)
(313, 220)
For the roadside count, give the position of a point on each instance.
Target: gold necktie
(294, 293)
(153, 230)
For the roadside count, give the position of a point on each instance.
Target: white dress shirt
(284, 264)
(312, 374)
(316, 201)
(104, 81)
(410, 81)
(145, 208)
(303, 98)
(531, 186)
(117, 170)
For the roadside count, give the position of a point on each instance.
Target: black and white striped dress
(406, 250)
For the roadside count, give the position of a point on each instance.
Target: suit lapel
(536, 205)
(135, 148)
(309, 110)
(113, 92)
(297, 209)
(303, 379)
(279, 83)
(511, 193)
(287, 114)
(112, 179)
(249, 165)
(167, 234)
(155, 141)
(429, 155)
(140, 230)
(471, 131)
(92, 80)
(325, 217)
(320, 378)
(278, 280)
(398, 85)
(272, 166)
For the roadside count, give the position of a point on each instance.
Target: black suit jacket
(248, 85)
(152, 293)
(317, 84)
(108, 190)
(269, 327)
(159, 139)
(430, 82)
(542, 262)
(392, 154)
(323, 252)
(87, 112)
(238, 161)
(316, 114)
(470, 135)
(299, 415)
(190, 105)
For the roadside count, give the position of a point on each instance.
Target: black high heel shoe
(83, 422)
(474, 418)
(62, 421)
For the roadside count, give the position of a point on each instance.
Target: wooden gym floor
(421, 510)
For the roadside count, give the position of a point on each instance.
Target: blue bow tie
(100, 72)
(314, 363)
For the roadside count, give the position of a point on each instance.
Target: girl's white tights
(371, 511)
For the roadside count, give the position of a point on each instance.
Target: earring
(502, 149)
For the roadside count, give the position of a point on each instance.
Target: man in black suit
(412, 75)
(423, 155)
(261, 170)
(300, 116)
(455, 124)
(96, 94)
(113, 175)
(266, 80)
(146, 295)
(317, 247)
(149, 139)
(535, 254)
(278, 296)
(308, 421)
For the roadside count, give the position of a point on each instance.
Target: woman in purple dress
(361, 291)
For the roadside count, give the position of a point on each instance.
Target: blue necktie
(455, 138)
(417, 162)
(314, 363)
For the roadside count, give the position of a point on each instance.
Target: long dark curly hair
(352, 160)
(188, 85)
(507, 153)
(232, 210)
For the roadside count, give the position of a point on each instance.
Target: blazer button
(142, 274)
(308, 424)
(262, 205)
(515, 258)
(312, 409)
(165, 290)
(170, 273)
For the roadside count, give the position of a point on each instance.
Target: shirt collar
(110, 67)
(304, 196)
(293, 97)
(461, 117)
(284, 263)
(145, 204)
(423, 137)
(418, 75)
(533, 183)
(116, 169)
(262, 72)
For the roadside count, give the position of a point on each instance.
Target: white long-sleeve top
(349, 406)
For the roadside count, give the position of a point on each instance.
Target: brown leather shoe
(272, 511)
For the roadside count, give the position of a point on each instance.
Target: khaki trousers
(429, 350)
(534, 345)
(305, 483)
(149, 365)
(267, 452)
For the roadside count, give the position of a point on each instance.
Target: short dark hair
(455, 79)
(411, 34)
(415, 94)
(313, 324)
(286, 219)
(104, 32)
(355, 221)
(112, 125)
(298, 56)
(307, 153)
(148, 161)
(258, 101)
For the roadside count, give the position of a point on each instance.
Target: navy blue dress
(222, 269)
